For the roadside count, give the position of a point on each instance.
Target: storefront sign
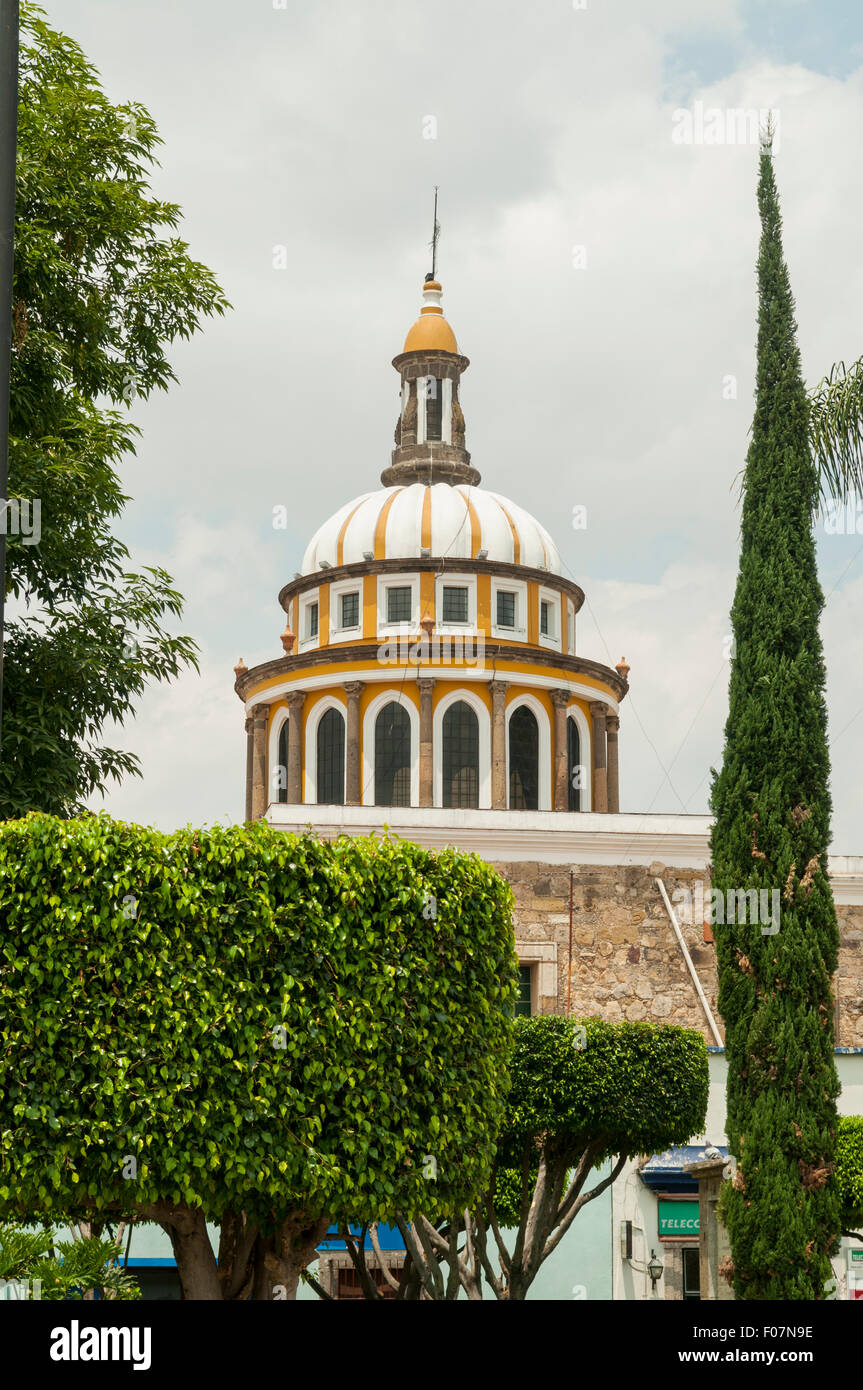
(677, 1220)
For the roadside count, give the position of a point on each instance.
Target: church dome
(399, 523)
(431, 332)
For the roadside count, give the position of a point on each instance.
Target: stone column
(260, 799)
(560, 752)
(425, 685)
(713, 1243)
(249, 766)
(612, 726)
(600, 772)
(353, 690)
(499, 798)
(295, 701)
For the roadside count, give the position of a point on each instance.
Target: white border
(519, 588)
(387, 697)
(552, 639)
(455, 581)
(281, 716)
(308, 644)
(544, 732)
(585, 748)
(346, 586)
(310, 777)
(398, 581)
(484, 719)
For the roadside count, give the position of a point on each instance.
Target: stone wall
(626, 963)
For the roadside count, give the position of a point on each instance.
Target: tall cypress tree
(771, 806)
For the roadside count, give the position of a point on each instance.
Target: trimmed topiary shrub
(247, 1028)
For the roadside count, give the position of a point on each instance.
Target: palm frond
(836, 430)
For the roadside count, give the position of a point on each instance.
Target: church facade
(432, 681)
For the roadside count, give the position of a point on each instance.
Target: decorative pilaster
(499, 798)
(425, 685)
(560, 752)
(598, 713)
(249, 766)
(612, 726)
(353, 690)
(295, 701)
(260, 721)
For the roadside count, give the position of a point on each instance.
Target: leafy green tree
(849, 1174)
(771, 805)
(246, 1028)
(40, 1265)
(584, 1092)
(102, 287)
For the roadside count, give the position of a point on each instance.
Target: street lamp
(654, 1269)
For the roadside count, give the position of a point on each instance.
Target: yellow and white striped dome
(399, 523)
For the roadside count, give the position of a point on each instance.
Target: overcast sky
(618, 376)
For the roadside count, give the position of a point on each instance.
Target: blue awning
(666, 1172)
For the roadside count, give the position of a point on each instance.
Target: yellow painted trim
(370, 607)
(324, 615)
(475, 528)
(483, 603)
(532, 615)
(516, 544)
(427, 595)
(380, 545)
(444, 688)
(340, 544)
(426, 525)
(504, 670)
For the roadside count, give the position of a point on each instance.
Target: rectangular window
(399, 605)
(350, 610)
(455, 604)
(691, 1274)
(434, 402)
(522, 1002)
(544, 617)
(312, 620)
(505, 608)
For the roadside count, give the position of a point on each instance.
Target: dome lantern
(430, 434)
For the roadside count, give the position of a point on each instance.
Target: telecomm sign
(677, 1219)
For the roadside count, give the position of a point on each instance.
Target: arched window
(460, 756)
(574, 768)
(331, 759)
(523, 761)
(282, 768)
(393, 756)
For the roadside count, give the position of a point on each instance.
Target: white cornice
(546, 837)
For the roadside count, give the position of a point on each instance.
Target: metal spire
(434, 240)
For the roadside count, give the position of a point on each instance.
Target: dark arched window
(460, 756)
(331, 759)
(523, 761)
(574, 768)
(393, 756)
(282, 768)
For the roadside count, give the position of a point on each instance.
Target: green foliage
(102, 286)
(632, 1088)
(836, 430)
(64, 1269)
(771, 831)
(849, 1170)
(252, 1021)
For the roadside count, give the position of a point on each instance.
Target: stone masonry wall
(626, 963)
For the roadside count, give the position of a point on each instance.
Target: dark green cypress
(771, 806)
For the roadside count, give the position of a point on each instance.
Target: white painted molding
(310, 779)
(397, 697)
(544, 730)
(480, 709)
